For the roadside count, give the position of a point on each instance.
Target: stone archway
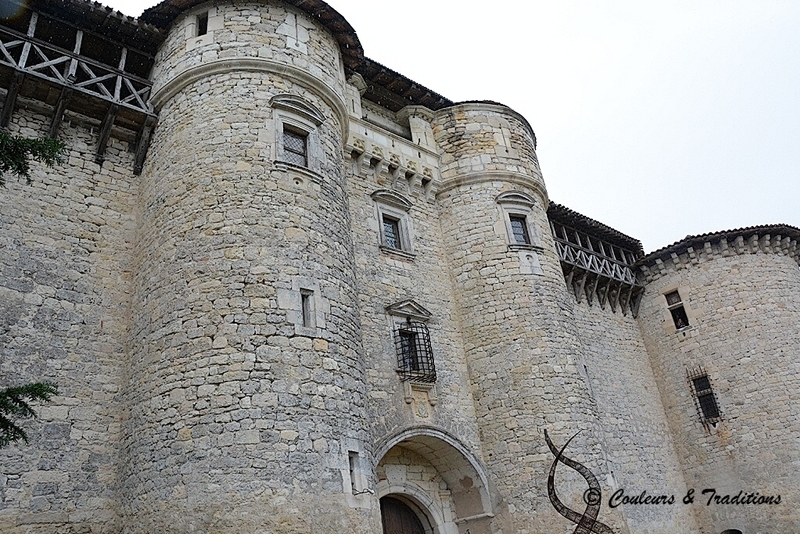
(438, 477)
(399, 516)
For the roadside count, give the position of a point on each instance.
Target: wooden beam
(626, 306)
(105, 133)
(570, 275)
(58, 112)
(637, 299)
(604, 289)
(143, 144)
(11, 98)
(593, 292)
(579, 287)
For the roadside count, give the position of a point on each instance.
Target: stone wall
(521, 344)
(743, 303)
(65, 272)
(240, 409)
(636, 437)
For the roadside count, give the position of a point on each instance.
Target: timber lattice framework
(596, 260)
(93, 88)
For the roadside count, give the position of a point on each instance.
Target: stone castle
(285, 289)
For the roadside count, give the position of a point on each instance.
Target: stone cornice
(777, 239)
(224, 66)
(516, 178)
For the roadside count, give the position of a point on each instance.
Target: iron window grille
(414, 353)
(705, 398)
(295, 148)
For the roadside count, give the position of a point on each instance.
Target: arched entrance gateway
(400, 518)
(429, 483)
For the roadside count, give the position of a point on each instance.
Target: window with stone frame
(677, 310)
(517, 210)
(202, 24)
(412, 344)
(705, 399)
(297, 137)
(395, 232)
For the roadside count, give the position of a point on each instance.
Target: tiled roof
(697, 241)
(580, 222)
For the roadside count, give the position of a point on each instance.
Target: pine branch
(13, 404)
(15, 154)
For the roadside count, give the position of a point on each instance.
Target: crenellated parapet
(780, 239)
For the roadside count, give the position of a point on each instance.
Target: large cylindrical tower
(245, 387)
(721, 321)
(522, 347)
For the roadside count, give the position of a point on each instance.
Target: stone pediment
(409, 308)
(298, 106)
(384, 196)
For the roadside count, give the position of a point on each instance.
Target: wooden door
(399, 518)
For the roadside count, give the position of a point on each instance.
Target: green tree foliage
(16, 153)
(14, 404)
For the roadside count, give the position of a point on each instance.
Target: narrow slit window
(202, 24)
(676, 309)
(352, 457)
(295, 147)
(519, 229)
(307, 307)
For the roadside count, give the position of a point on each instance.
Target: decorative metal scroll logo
(587, 522)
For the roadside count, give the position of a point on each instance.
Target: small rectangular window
(307, 306)
(295, 148)
(676, 309)
(519, 228)
(391, 233)
(704, 395)
(202, 24)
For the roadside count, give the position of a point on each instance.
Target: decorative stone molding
(515, 178)
(224, 66)
(298, 106)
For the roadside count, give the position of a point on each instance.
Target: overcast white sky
(660, 119)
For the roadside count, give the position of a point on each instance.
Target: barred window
(294, 147)
(414, 352)
(705, 398)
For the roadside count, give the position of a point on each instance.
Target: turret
(522, 346)
(245, 392)
(721, 321)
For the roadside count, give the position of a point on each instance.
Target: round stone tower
(245, 389)
(721, 321)
(522, 347)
